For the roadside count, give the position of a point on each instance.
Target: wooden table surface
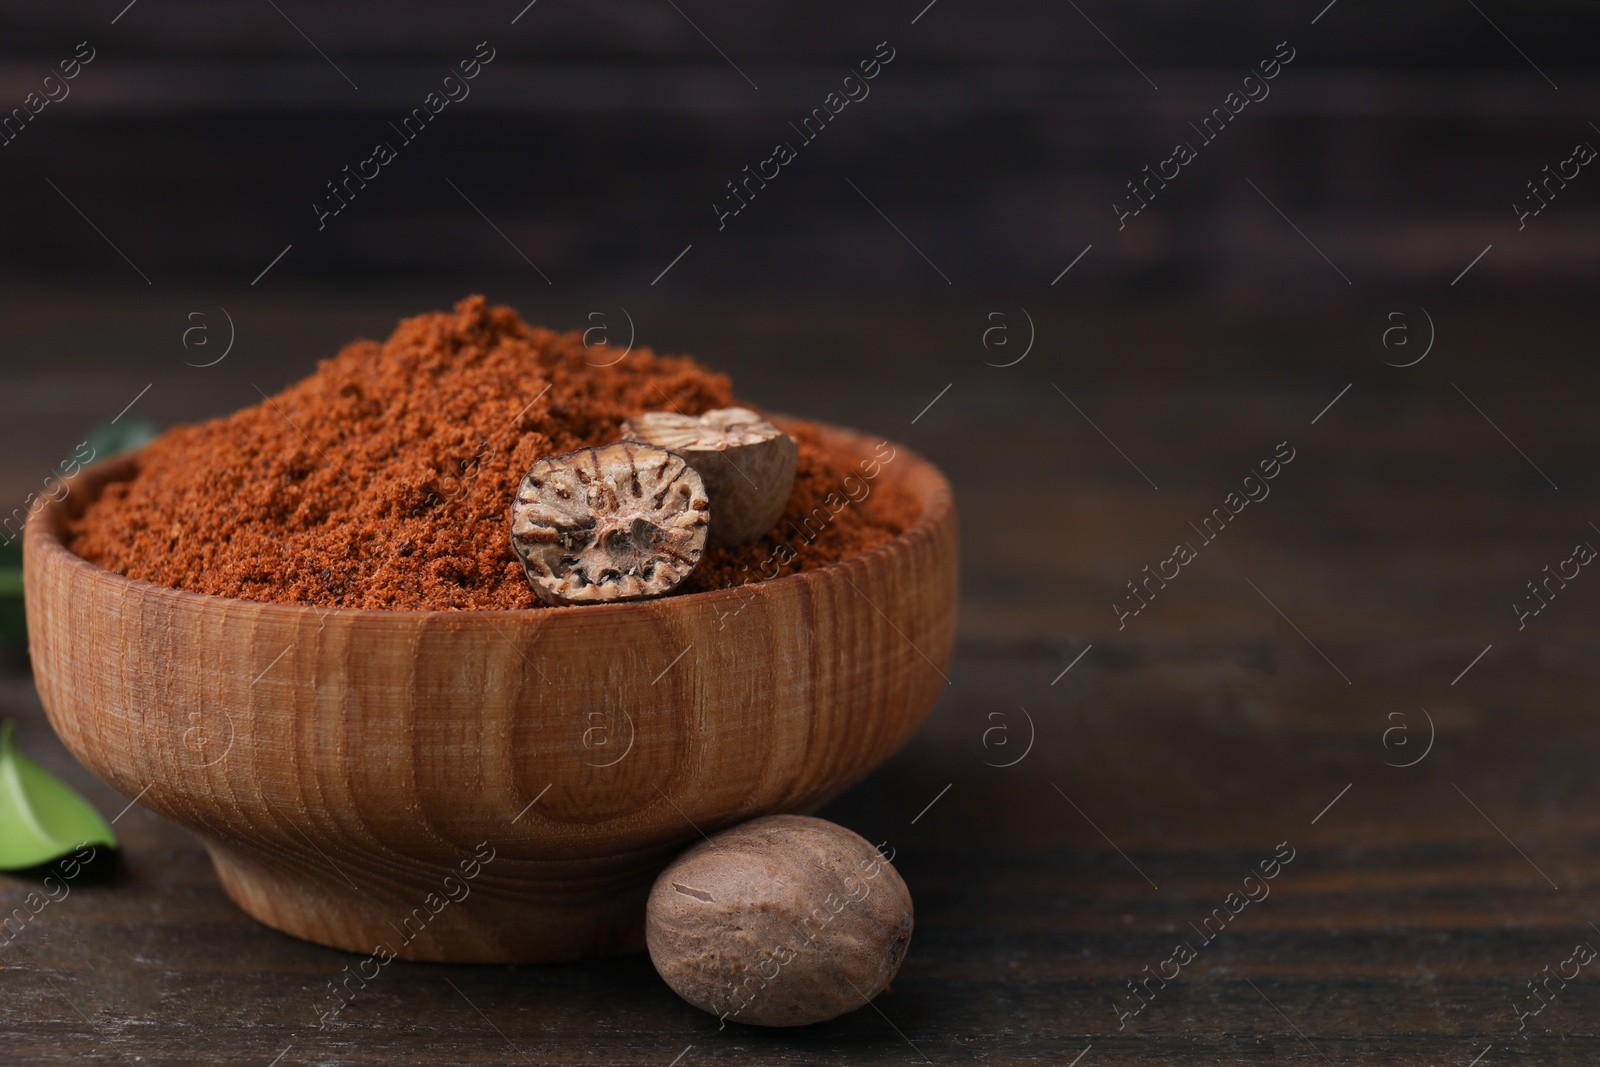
(1083, 797)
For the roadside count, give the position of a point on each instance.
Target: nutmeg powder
(384, 479)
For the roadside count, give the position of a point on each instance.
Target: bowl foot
(509, 911)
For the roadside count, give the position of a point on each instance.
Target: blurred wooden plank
(1401, 930)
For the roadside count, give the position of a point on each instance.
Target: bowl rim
(44, 543)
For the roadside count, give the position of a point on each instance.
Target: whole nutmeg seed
(747, 463)
(780, 921)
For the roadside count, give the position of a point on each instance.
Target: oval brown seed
(781, 921)
(747, 463)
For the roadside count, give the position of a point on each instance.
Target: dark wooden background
(1174, 754)
(997, 140)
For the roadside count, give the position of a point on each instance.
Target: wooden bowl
(487, 786)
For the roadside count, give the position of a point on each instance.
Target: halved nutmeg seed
(623, 522)
(747, 463)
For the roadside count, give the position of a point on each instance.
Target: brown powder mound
(384, 480)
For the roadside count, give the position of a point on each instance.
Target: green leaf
(110, 439)
(40, 818)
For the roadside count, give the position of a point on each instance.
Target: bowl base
(509, 912)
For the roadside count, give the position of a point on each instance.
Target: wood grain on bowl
(487, 786)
